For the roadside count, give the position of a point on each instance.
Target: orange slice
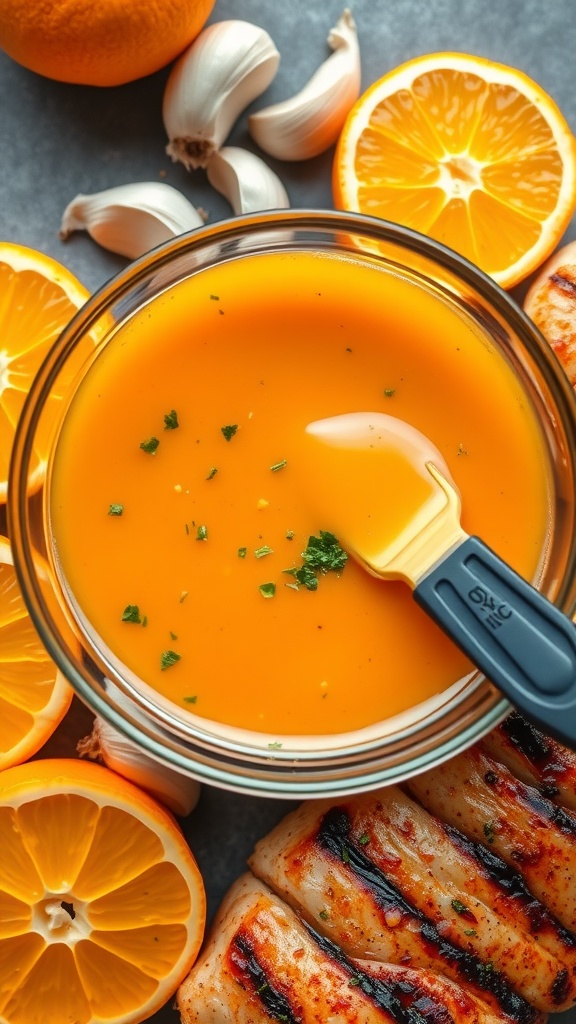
(102, 905)
(37, 299)
(471, 153)
(34, 696)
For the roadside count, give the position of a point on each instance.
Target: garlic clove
(246, 181)
(311, 121)
(131, 219)
(176, 791)
(227, 66)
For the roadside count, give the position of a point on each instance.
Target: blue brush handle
(511, 632)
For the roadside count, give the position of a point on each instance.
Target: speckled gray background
(57, 140)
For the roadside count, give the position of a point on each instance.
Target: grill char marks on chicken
(483, 799)
(262, 964)
(386, 880)
(535, 759)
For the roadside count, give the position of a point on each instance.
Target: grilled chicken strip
(480, 797)
(387, 881)
(535, 759)
(262, 964)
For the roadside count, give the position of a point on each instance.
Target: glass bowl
(233, 758)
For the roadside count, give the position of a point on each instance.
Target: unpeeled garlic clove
(246, 181)
(178, 792)
(227, 66)
(311, 121)
(131, 219)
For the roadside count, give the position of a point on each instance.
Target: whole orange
(99, 42)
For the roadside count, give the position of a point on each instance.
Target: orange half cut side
(471, 153)
(102, 905)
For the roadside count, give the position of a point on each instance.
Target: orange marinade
(267, 344)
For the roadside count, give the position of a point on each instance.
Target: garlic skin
(227, 66)
(177, 792)
(131, 219)
(311, 121)
(246, 181)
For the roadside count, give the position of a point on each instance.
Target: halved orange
(34, 696)
(102, 905)
(472, 153)
(38, 297)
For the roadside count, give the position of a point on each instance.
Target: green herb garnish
(202, 533)
(190, 700)
(145, 620)
(229, 431)
(171, 420)
(389, 392)
(289, 534)
(115, 510)
(131, 613)
(278, 465)
(470, 931)
(150, 445)
(488, 830)
(263, 551)
(168, 658)
(345, 855)
(364, 839)
(324, 915)
(275, 745)
(172, 635)
(212, 473)
(459, 907)
(267, 589)
(242, 552)
(324, 553)
(304, 576)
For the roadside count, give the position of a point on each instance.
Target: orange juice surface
(176, 507)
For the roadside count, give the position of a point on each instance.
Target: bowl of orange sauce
(168, 555)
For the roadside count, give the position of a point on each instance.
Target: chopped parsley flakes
(150, 445)
(304, 576)
(459, 907)
(190, 700)
(168, 658)
(131, 613)
(171, 420)
(488, 830)
(229, 431)
(212, 473)
(242, 552)
(263, 551)
(202, 532)
(115, 510)
(267, 589)
(278, 465)
(324, 553)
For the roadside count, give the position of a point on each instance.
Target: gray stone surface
(57, 140)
